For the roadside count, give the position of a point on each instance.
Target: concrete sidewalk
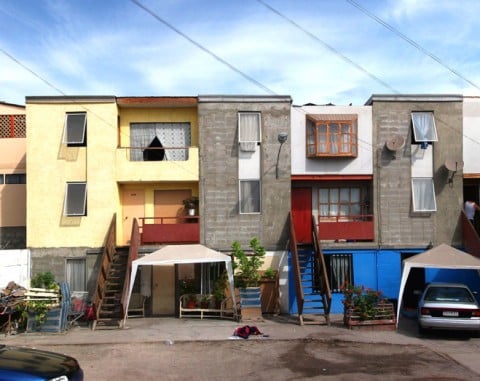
(157, 329)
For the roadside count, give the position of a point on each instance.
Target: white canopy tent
(440, 257)
(178, 254)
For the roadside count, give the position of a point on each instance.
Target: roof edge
(244, 98)
(71, 99)
(414, 98)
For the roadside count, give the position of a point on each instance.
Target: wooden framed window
(341, 204)
(331, 136)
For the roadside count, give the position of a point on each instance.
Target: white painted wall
(15, 266)
(471, 135)
(362, 164)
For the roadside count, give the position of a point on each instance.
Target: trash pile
(14, 300)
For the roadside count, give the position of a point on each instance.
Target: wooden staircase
(110, 312)
(311, 280)
(111, 292)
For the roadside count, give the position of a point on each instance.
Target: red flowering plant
(361, 301)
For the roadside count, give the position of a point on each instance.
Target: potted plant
(366, 307)
(247, 278)
(191, 205)
(187, 287)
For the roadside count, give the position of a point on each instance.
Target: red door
(302, 214)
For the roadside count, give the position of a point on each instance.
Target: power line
(327, 46)
(32, 72)
(200, 46)
(411, 42)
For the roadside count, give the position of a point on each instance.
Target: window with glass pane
(249, 127)
(16, 178)
(249, 196)
(331, 137)
(74, 129)
(342, 202)
(2, 178)
(75, 199)
(424, 129)
(159, 141)
(339, 270)
(76, 273)
(423, 194)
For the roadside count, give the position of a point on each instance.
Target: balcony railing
(168, 230)
(346, 228)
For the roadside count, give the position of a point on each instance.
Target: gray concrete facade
(219, 183)
(396, 223)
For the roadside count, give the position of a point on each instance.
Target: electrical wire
(202, 47)
(411, 42)
(327, 46)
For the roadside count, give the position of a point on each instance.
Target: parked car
(448, 306)
(27, 364)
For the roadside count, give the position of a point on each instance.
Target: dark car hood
(36, 362)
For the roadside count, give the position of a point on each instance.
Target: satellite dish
(395, 143)
(453, 165)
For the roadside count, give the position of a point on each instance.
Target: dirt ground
(263, 359)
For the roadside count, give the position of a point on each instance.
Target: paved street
(177, 349)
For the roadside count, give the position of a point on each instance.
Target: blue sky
(327, 50)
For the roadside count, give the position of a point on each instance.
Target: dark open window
(155, 151)
(75, 199)
(16, 178)
(74, 133)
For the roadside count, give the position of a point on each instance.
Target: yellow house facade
(95, 158)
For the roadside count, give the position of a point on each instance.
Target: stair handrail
(132, 255)
(320, 263)
(471, 240)
(296, 268)
(107, 256)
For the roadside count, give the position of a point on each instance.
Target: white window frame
(242, 199)
(71, 271)
(249, 143)
(74, 129)
(418, 202)
(75, 190)
(427, 118)
(241, 126)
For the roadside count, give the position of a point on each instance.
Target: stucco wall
(219, 194)
(50, 164)
(396, 223)
(362, 164)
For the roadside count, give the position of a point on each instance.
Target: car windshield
(448, 294)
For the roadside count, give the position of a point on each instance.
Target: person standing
(470, 208)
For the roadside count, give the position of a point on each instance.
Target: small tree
(248, 265)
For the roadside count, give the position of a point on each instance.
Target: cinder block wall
(219, 195)
(396, 224)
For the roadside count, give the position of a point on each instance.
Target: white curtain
(76, 274)
(424, 127)
(171, 135)
(423, 195)
(249, 127)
